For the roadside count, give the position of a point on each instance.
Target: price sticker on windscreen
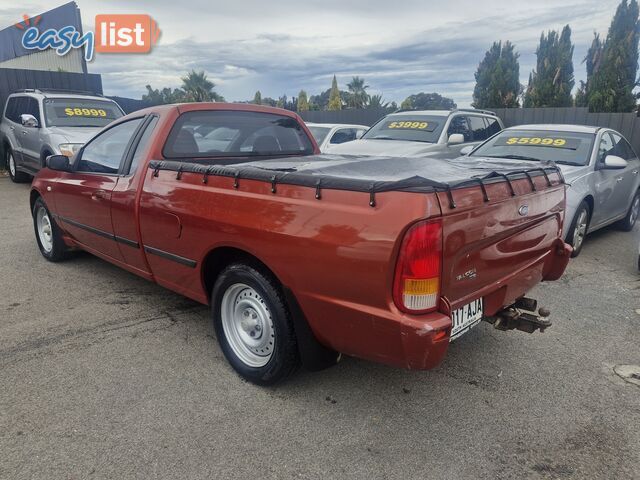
(85, 112)
(553, 142)
(411, 125)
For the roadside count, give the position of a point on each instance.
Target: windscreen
(319, 133)
(225, 133)
(78, 112)
(415, 128)
(568, 148)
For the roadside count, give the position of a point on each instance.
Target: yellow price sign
(409, 125)
(85, 112)
(568, 143)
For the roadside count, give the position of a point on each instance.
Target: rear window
(78, 112)
(415, 128)
(570, 148)
(225, 133)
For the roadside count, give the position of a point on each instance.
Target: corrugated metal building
(14, 55)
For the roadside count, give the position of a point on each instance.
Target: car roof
(60, 94)
(333, 125)
(430, 113)
(556, 127)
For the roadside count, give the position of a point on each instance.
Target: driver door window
(106, 151)
(605, 148)
(460, 125)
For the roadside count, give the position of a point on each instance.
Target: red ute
(300, 255)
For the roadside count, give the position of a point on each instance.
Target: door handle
(635, 172)
(100, 195)
(12, 127)
(619, 179)
(24, 132)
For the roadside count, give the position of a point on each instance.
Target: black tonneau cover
(365, 173)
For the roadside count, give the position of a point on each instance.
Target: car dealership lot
(106, 375)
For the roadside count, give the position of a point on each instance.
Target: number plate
(465, 318)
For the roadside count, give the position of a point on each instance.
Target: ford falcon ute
(303, 257)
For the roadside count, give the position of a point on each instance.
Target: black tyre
(628, 222)
(253, 324)
(579, 227)
(15, 175)
(48, 233)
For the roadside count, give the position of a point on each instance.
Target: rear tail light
(416, 287)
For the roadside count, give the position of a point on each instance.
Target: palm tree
(376, 101)
(197, 88)
(359, 96)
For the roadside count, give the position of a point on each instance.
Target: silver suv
(424, 133)
(39, 123)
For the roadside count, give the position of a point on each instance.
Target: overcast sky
(280, 47)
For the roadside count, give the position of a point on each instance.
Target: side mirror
(59, 163)
(614, 162)
(455, 139)
(466, 150)
(28, 120)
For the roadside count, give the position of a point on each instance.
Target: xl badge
(523, 211)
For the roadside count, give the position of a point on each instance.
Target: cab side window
(31, 108)
(106, 151)
(20, 108)
(460, 125)
(343, 135)
(493, 126)
(478, 129)
(142, 146)
(605, 148)
(622, 148)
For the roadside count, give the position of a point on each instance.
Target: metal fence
(626, 123)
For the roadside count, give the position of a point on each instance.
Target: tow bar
(513, 318)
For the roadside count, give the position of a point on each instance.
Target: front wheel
(15, 175)
(253, 324)
(48, 235)
(578, 228)
(628, 222)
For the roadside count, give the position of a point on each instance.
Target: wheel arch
(591, 202)
(314, 355)
(33, 196)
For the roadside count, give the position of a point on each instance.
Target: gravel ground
(103, 375)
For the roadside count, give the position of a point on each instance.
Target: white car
(328, 135)
(424, 133)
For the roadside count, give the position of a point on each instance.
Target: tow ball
(514, 318)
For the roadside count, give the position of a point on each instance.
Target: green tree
(376, 101)
(197, 88)
(498, 78)
(162, 97)
(257, 98)
(428, 101)
(550, 84)
(612, 83)
(592, 61)
(303, 103)
(335, 102)
(358, 97)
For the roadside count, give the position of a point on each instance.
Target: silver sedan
(599, 165)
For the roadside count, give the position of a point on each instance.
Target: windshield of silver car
(568, 148)
(414, 128)
(78, 112)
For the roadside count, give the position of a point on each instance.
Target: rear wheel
(15, 175)
(48, 233)
(578, 229)
(628, 222)
(254, 325)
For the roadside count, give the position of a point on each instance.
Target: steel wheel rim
(635, 210)
(12, 165)
(580, 231)
(248, 325)
(45, 229)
